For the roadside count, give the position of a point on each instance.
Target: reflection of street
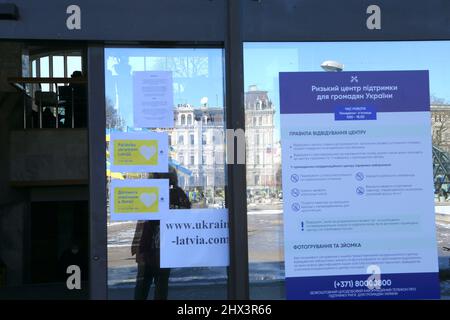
(265, 229)
(443, 233)
(443, 240)
(265, 236)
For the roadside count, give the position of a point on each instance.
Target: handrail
(21, 83)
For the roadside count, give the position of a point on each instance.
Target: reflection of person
(146, 246)
(442, 194)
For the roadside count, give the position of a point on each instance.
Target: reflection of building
(198, 144)
(440, 122)
(263, 156)
(440, 129)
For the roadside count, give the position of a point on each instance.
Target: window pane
(45, 72)
(44, 67)
(262, 64)
(73, 64)
(196, 74)
(33, 68)
(58, 66)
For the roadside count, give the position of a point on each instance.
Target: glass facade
(59, 93)
(262, 64)
(197, 153)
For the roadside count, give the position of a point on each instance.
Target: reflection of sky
(263, 61)
(197, 73)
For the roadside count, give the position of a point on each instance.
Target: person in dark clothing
(146, 246)
(76, 99)
(48, 119)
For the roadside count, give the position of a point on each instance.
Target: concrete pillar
(13, 202)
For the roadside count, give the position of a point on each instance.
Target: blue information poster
(359, 218)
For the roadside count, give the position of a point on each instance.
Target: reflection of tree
(440, 121)
(113, 120)
(437, 101)
(278, 175)
(440, 127)
(184, 67)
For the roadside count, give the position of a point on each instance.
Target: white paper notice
(153, 99)
(139, 199)
(139, 152)
(194, 238)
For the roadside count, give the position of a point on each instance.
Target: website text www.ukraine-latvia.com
(200, 225)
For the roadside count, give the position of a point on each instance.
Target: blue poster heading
(334, 92)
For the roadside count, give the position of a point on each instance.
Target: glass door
(167, 222)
